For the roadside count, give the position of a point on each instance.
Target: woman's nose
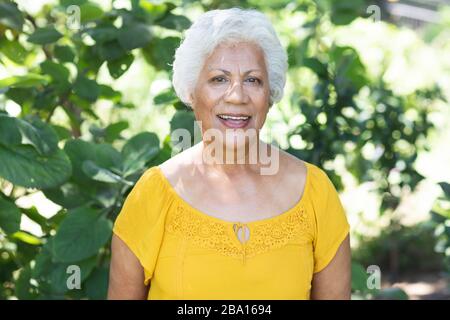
(236, 94)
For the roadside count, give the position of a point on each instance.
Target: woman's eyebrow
(228, 72)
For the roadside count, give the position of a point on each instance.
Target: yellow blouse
(188, 254)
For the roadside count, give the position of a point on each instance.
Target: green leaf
(350, 73)
(103, 33)
(24, 166)
(9, 216)
(119, 66)
(27, 238)
(316, 66)
(69, 195)
(54, 274)
(59, 74)
(160, 52)
(29, 154)
(134, 36)
(34, 132)
(393, 293)
(62, 132)
(176, 22)
(10, 15)
(140, 149)
(23, 289)
(166, 98)
(97, 173)
(90, 11)
(81, 234)
(112, 131)
(110, 50)
(106, 92)
(344, 12)
(67, 3)
(13, 50)
(97, 284)
(64, 53)
(183, 119)
(104, 155)
(26, 81)
(45, 35)
(359, 277)
(446, 188)
(86, 88)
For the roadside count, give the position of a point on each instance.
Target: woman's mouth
(234, 121)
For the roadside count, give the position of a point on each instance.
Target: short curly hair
(228, 25)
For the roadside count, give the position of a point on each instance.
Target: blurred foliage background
(86, 105)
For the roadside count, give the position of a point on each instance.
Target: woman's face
(232, 93)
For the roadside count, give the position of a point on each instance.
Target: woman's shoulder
(175, 167)
(315, 178)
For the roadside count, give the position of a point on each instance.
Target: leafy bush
(441, 220)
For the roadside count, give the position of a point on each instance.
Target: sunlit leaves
(45, 35)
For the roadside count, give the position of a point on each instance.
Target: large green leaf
(81, 234)
(24, 166)
(59, 74)
(86, 88)
(92, 170)
(10, 15)
(103, 155)
(103, 33)
(140, 149)
(13, 50)
(344, 12)
(64, 53)
(160, 52)
(110, 50)
(446, 188)
(90, 11)
(350, 73)
(23, 289)
(69, 195)
(29, 155)
(173, 21)
(184, 119)
(97, 284)
(53, 275)
(9, 216)
(136, 35)
(45, 35)
(34, 132)
(119, 66)
(26, 81)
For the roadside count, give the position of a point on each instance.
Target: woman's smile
(234, 121)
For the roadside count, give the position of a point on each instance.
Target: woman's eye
(219, 79)
(254, 80)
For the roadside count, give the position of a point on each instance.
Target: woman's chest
(203, 259)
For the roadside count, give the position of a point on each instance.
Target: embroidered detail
(215, 235)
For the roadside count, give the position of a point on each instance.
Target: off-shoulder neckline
(207, 216)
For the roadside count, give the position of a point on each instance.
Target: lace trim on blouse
(262, 236)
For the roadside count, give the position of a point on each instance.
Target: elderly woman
(196, 227)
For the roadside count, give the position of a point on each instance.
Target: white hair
(228, 25)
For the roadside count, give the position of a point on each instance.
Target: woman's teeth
(234, 121)
(228, 117)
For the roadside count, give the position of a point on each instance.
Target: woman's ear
(190, 101)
